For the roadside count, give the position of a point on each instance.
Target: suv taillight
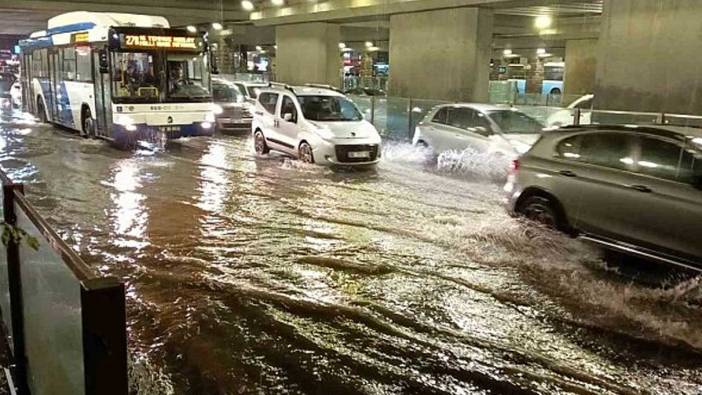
(514, 166)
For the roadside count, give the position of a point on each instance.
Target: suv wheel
(541, 210)
(260, 143)
(305, 153)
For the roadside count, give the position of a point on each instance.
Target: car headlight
(131, 127)
(206, 125)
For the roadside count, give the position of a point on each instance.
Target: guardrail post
(104, 337)
(576, 117)
(372, 120)
(409, 118)
(14, 279)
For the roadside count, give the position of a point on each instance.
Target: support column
(648, 56)
(580, 65)
(308, 53)
(441, 54)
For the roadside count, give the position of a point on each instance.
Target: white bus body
(121, 77)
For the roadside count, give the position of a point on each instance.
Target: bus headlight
(206, 125)
(126, 121)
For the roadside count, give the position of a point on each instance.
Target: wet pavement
(264, 275)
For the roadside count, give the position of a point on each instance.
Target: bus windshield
(188, 76)
(155, 76)
(136, 75)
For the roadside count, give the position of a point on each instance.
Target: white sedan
(482, 128)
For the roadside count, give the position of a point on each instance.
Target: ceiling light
(373, 49)
(278, 3)
(225, 32)
(543, 22)
(217, 26)
(507, 52)
(259, 48)
(247, 5)
(191, 28)
(369, 44)
(540, 51)
(275, 47)
(342, 45)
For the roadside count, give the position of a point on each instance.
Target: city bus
(121, 77)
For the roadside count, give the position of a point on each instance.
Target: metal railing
(65, 324)
(397, 117)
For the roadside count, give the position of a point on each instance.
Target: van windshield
(329, 108)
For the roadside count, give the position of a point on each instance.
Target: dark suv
(635, 189)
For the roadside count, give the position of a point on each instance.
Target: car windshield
(136, 75)
(188, 76)
(225, 93)
(515, 122)
(329, 108)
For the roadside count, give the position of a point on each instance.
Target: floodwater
(264, 275)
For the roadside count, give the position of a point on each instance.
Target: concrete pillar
(441, 54)
(580, 66)
(649, 57)
(308, 53)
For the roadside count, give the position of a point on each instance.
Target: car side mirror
(697, 181)
(288, 117)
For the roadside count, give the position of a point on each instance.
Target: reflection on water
(248, 275)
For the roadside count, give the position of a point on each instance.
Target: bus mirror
(104, 64)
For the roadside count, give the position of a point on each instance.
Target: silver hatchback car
(634, 189)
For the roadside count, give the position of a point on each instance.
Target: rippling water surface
(264, 275)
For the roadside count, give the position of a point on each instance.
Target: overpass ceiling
(22, 17)
(299, 11)
(593, 7)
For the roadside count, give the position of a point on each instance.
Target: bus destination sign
(144, 41)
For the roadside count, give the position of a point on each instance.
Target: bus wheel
(88, 124)
(41, 112)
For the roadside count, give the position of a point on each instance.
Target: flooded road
(264, 275)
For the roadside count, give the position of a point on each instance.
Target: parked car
(632, 189)
(250, 89)
(234, 113)
(566, 116)
(315, 124)
(487, 128)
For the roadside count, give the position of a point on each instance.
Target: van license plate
(359, 154)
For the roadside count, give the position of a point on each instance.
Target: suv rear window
(613, 150)
(668, 160)
(268, 101)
